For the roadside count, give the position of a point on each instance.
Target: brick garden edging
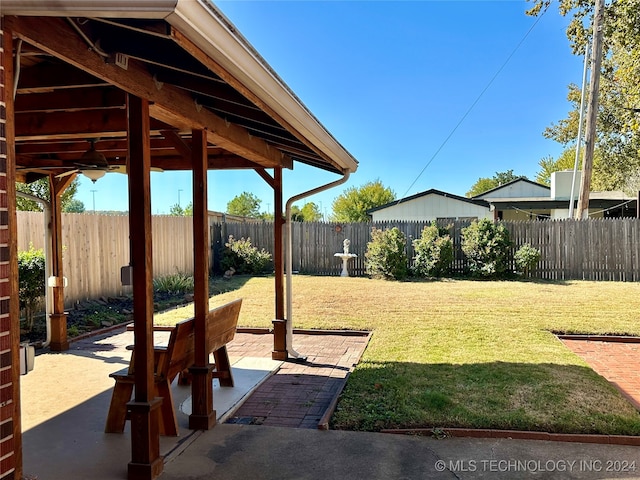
(600, 338)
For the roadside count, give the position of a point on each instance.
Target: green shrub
(486, 246)
(434, 252)
(526, 259)
(386, 256)
(31, 282)
(173, 284)
(244, 257)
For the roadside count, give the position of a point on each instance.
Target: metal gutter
(157, 9)
(203, 24)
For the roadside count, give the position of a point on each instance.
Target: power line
(466, 114)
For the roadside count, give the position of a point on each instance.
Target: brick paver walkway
(301, 392)
(618, 362)
(298, 395)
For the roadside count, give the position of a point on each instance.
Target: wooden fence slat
(602, 249)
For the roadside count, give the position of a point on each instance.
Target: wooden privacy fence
(597, 249)
(96, 246)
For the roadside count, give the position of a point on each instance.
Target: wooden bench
(174, 359)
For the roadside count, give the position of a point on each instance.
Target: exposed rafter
(57, 38)
(194, 50)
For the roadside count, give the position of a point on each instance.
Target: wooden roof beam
(70, 100)
(50, 77)
(95, 123)
(116, 145)
(216, 160)
(266, 177)
(170, 104)
(177, 143)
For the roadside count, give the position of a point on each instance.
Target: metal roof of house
(505, 185)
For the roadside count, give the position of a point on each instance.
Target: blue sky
(391, 81)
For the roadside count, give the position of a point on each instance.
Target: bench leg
(117, 415)
(223, 367)
(168, 419)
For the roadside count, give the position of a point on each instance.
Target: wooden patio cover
(170, 85)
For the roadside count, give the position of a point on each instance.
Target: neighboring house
(520, 199)
(517, 201)
(432, 205)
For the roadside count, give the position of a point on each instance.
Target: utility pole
(93, 192)
(592, 112)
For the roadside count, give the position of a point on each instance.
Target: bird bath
(345, 256)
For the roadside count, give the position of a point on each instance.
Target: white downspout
(47, 258)
(289, 257)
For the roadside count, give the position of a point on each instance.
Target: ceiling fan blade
(66, 174)
(123, 169)
(118, 169)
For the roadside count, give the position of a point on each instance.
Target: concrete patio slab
(66, 397)
(240, 452)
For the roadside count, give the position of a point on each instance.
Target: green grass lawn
(462, 353)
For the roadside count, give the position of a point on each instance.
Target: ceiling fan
(92, 164)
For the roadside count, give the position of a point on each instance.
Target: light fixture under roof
(93, 173)
(93, 163)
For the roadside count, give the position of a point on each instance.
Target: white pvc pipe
(289, 257)
(47, 259)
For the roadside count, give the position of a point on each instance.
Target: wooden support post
(279, 334)
(58, 317)
(146, 462)
(203, 416)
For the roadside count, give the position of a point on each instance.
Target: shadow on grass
(219, 285)
(509, 278)
(498, 395)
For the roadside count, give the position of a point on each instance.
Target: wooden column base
(203, 416)
(146, 462)
(59, 341)
(279, 340)
(142, 471)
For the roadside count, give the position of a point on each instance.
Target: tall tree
(618, 125)
(40, 188)
(353, 203)
(484, 184)
(74, 206)
(296, 214)
(601, 180)
(245, 205)
(311, 212)
(177, 211)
